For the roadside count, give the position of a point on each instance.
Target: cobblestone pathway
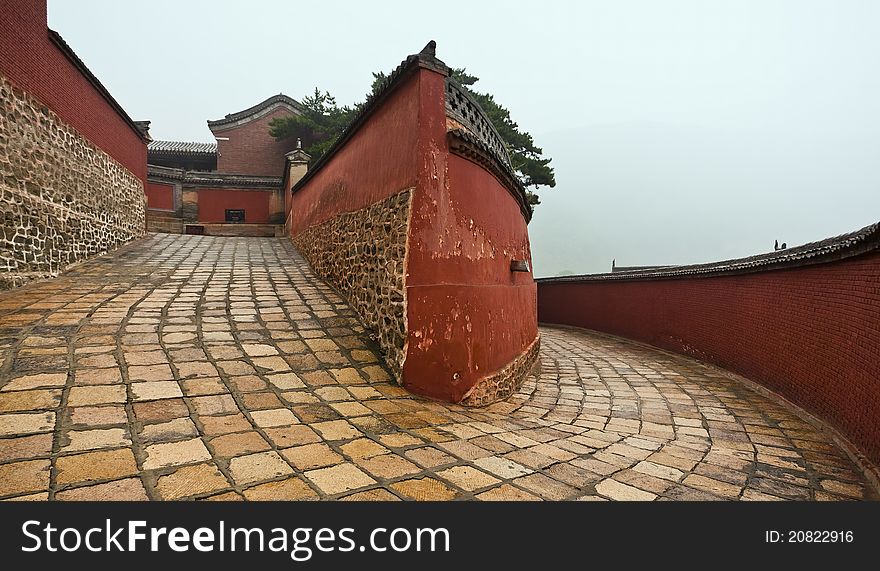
(222, 368)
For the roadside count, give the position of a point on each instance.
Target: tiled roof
(182, 148)
(830, 249)
(212, 179)
(275, 99)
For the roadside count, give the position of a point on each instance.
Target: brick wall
(810, 333)
(250, 149)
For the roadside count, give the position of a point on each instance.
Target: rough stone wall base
(62, 199)
(362, 254)
(165, 222)
(506, 381)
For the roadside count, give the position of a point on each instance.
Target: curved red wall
(468, 316)
(30, 59)
(460, 287)
(213, 203)
(810, 333)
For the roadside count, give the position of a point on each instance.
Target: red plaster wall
(35, 64)
(160, 196)
(812, 334)
(460, 288)
(251, 149)
(377, 162)
(213, 203)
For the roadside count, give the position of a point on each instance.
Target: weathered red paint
(811, 333)
(213, 203)
(160, 196)
(249, 148)
(34, 63)
(468, 314)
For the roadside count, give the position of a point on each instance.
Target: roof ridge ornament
(430, 49)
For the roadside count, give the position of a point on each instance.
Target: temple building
(233, 186)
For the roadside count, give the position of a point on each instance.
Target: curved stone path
(186, 367)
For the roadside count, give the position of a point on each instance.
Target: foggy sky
(680, 131)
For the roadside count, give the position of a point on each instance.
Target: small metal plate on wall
(519, 266)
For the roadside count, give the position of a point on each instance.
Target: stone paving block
(468, 478)
(507, 493)
(336, 430)
(39, 399)
(22, 477)
(35, 381)
(91, 395)
(287, 436)
(502, 467)
(256, 467)
(339, 478)
(311, 456)
(374, 495)
(26, 423)
(238, 444)
(176, 429)
(150, 373)
(260, 401)
(80, 440)
(189, 481)
(217, 425)
(98, 415)
(196, 369)
(546, 487)
(97, 376)
(168, 454)
(159, 411)
(155, 390)
(363, 448)
(424, 489)
(274, 418)
(101, 465)
(203, 386)
(617, 491)
(387, 466)
(214, 405)
(289, 489)
(127, 490)
(25, 447)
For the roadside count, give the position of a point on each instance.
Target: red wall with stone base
(810, 333)
(467, 315)
(33, 62)
(213, 203)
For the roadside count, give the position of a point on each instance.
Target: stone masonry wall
(362, 254)
(62, 199)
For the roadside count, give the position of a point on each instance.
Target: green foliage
(527, 158)
(318, 126)
(323, 122)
